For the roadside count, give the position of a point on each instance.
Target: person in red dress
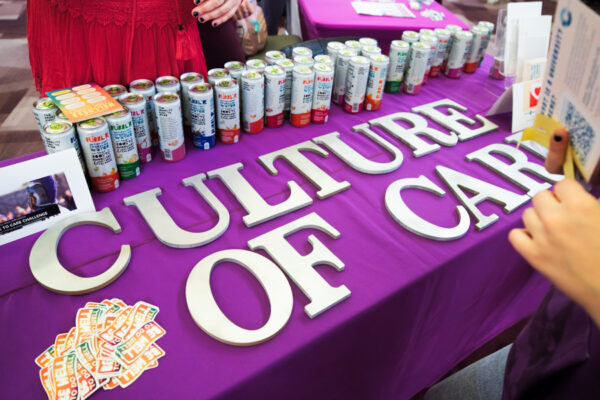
(117, 41)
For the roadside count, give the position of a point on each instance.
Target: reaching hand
(218, 11)
(561, 239)
(245, 9)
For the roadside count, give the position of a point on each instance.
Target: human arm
(218, 11)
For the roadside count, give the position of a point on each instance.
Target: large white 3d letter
(529, 145)
(163, 226)
(411, 221)
(300, 268)
(258, 209)
(50, 273)
(512, 172)
(411, 135)
(356, 160)
(206, 312)
(457, 181)
(454, 120)
(326, 184)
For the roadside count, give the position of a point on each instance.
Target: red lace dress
(111, 41)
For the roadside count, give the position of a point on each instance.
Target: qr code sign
(580, 130)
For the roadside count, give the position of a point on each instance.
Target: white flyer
(35, 194)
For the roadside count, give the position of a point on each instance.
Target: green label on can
(129, 170)
(392, 87)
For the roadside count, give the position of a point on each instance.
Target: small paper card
(82, 102)
(36, 193)
(571, 85)
(514, 13)
(382, 9)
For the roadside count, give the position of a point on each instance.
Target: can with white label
(302, 91)
(146, 88)
(136, 103)
(253, 101)
(432, 42)
(461, 45)
(215, 74)
(333, 48)
(60, 135)
(410, 37)
(341, 68)
(228, 110)
(417, 65)
(301, 52)
(256, 65)
(356, 84)
(168, 84)
(484, 44)
(44, 111)
(367, 41)
(322, 93)
(275, 83)
(288, 67)
(115, 90)
(425, 31)
(124, 143)
(353, 44)
(271, 57)
(443, 36)
(398, 56)
(472, 57)
(99, 154)
(369, 51)
(304, 61)
(376, 81)
(170, 127)
(324, 59)
(235, 69)
(453, 29)
(187, 81)
(202, 113)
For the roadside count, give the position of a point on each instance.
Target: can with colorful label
(275, 83)
(453, 29)
(215, 74)
(416, 67)
(253, 101)
(288, 67)
(146, 88)
(472, 57)
(124, 143)
(410, 37)
(333, 48)
(341, 68)
(235, 69)
(228, 110)
(443, 36)
(369, 51)
(256, 64)
(356, 84)
(398, 56)
(303, 83)
(305, 61)
(376, 82)
(136, 103)
(271, 57)
(60, 135)
(301, 52)
(115, 90)
(322, 93)
(432, 42)
(168, 84)
(484, 44)
(170, 127)
(188, 80)
(202, 112)
(99, 154)
(44, 111)
(461, 45)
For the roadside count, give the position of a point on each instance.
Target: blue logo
(565, 17)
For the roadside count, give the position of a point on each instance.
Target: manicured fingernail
(195, 14)
(197, 2)
(214, 24)
(557, 138)
(201, 19)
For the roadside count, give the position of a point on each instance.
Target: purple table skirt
(332, 18)
(417, 306)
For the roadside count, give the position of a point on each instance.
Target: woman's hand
(218, 11)
(246, 8)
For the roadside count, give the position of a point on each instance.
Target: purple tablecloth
(417, 306)
(332, 18)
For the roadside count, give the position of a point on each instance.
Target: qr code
(580, 129)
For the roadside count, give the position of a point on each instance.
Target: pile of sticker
(111, 345)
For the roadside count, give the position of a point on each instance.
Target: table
(417, 307)
(333, 18)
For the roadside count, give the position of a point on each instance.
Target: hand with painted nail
(215, 11)
(557, 151)
(245, 9)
